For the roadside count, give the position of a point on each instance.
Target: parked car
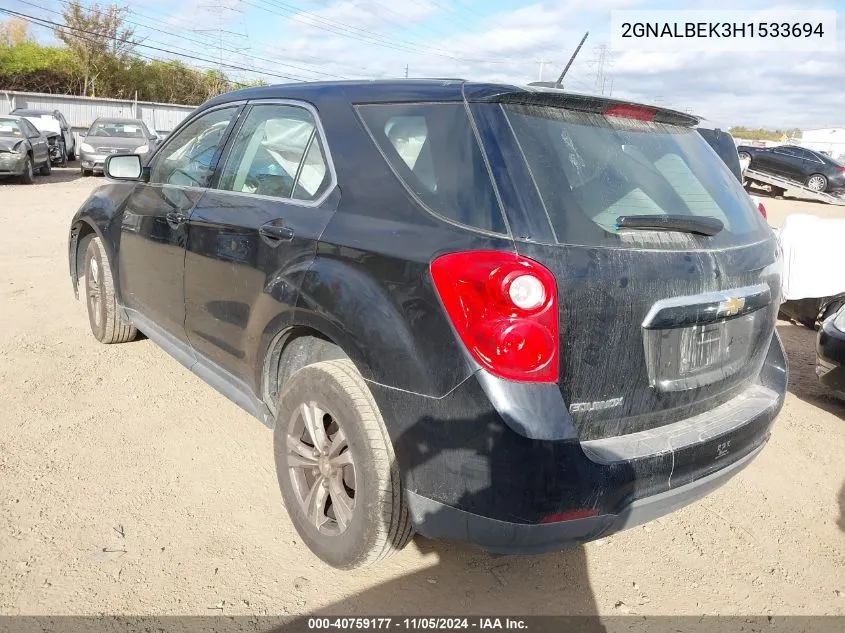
(23, 149)
(517, 317)
(108, 136)
(724, 145)
(830, 352)
(813, 169)
(55, 127)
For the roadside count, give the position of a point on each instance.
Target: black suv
(518, 317)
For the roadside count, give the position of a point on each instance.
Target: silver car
(23, 149)
(114, 136)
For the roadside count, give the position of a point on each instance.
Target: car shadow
(800, 345)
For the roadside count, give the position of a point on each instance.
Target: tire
(378, 522)
(817, 182)
(86, 172)
(107, 325)
(71, 155)
(63, 162)
(744, 155)
(46, 168)
(28, 175)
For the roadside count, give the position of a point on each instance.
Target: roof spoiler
(540, 94)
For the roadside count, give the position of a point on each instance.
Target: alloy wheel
(95, 297)
(816, 183)
(321, 468)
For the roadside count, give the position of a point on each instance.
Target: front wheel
(817, 182)
(336, 468)
(107, 325)
(46, 168)
(28, 175)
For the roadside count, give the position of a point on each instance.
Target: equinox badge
(599, 405)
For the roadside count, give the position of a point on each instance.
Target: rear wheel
(817, 182)
(86, 172)
(46, 168)
(71, 155)
(106, 323)
(744, 156)
(28, 175)
(63, 162)
(336, 468)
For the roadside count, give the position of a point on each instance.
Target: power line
(180, 36)
(42, 22)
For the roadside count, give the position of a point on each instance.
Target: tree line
(97, 56)
(760, 134)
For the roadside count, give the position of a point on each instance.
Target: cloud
(378, 38)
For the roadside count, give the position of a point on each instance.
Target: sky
(491, 40)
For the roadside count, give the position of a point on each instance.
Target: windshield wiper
(699, 225)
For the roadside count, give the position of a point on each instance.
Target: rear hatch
(655, 325)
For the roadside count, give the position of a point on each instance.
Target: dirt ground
(129, 486)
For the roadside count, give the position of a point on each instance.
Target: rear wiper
(684, 223)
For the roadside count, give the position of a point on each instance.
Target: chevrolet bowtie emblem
(732, 306)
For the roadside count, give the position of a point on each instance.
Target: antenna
(559, 82)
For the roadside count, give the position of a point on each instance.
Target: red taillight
(569, 516)
(505, 310)
(640, 113)
(762, 210)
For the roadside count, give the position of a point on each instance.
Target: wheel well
(85, 234)
(290, 351)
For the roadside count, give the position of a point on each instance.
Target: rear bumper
(437, 520)
(477, 469)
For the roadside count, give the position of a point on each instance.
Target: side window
(277, 152)
(29, 129)
(433, 150)
(787, 151)
(190, 156)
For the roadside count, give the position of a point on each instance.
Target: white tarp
(813, 256)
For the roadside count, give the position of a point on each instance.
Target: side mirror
(123, 167)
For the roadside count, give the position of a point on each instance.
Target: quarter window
(277, 152)
(189, 159)
(433, 150)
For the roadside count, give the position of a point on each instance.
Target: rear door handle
(175, 217)
(276, 232)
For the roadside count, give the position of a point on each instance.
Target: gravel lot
(129, 486)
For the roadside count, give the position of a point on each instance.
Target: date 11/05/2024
(721, 30)
(418, 623)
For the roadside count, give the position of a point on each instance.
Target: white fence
(81, 112)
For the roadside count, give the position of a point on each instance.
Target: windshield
(591, 169)
(9, 128)
(117, 129)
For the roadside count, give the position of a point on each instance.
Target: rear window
(591, 169)
(432, 149)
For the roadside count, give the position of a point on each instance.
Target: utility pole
(542, 63)
(610, 94)
(231, 40)
(406, 71)
(600, 68)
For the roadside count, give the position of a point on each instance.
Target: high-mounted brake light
(504, 308)
(640, 113)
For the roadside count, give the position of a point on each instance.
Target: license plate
(697, 355)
